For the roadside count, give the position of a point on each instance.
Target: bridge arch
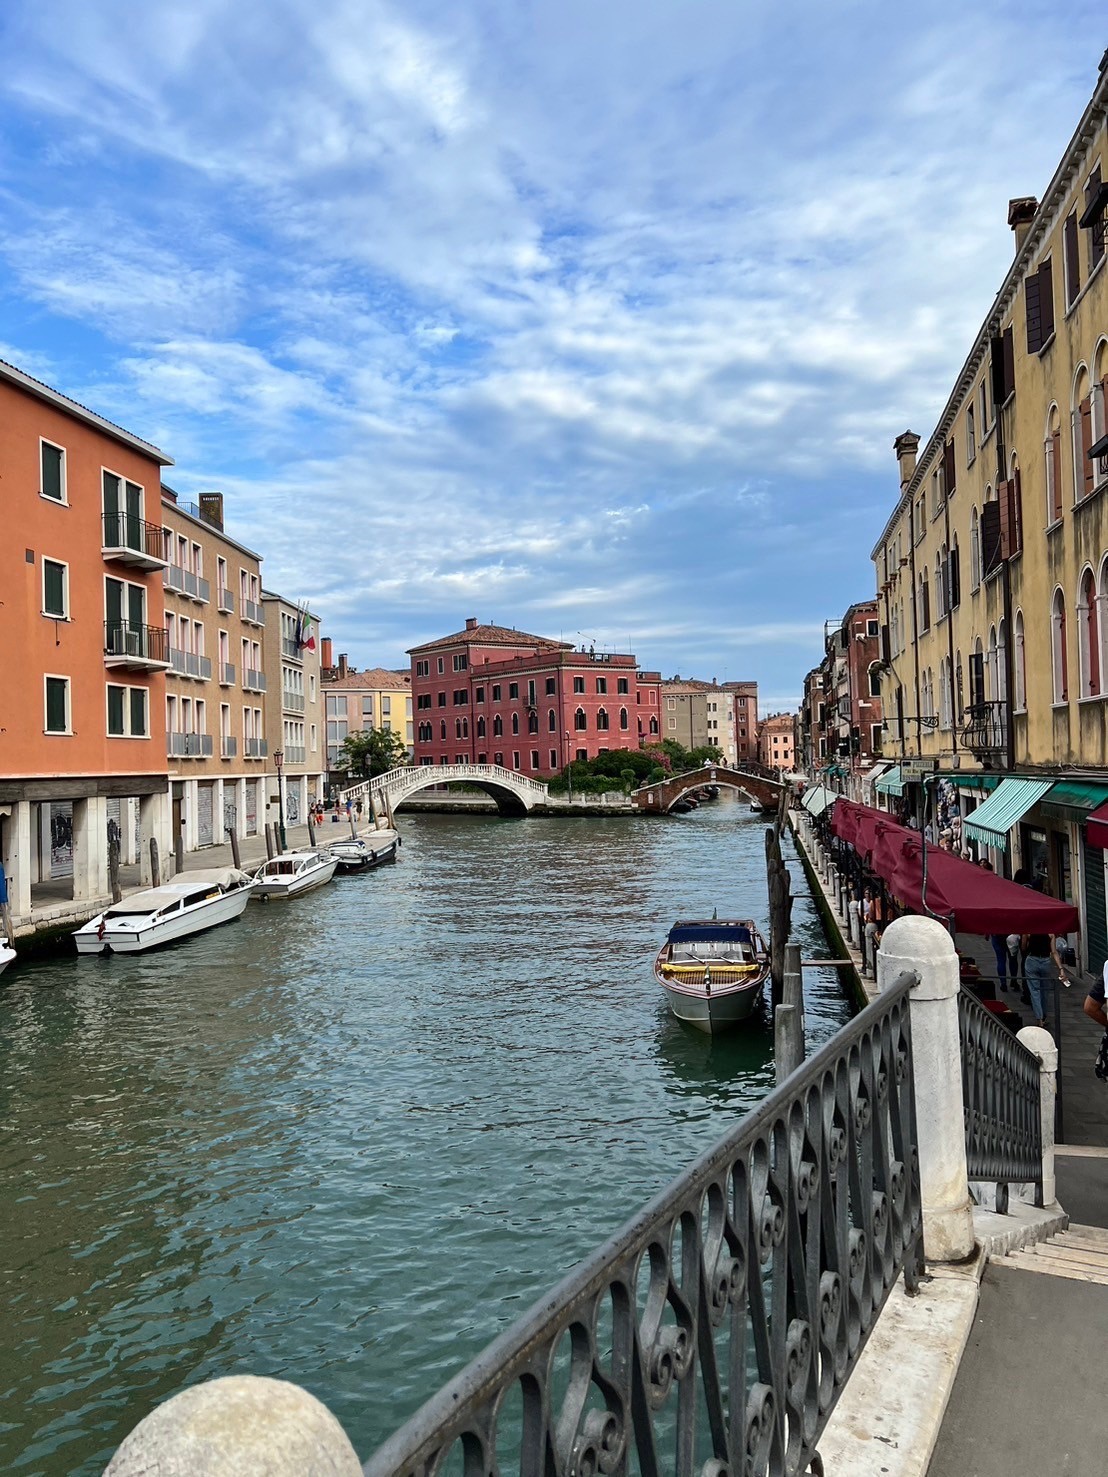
(660, 799)
(515, 794)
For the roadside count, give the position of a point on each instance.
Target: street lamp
(279, 759)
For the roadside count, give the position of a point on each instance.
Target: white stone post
(856, 924)
(1041, 1044)
(922, 945)
(45, 842)
(90, 848)
(19, 859)
(235, 1425)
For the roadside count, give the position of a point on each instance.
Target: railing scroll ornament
(713, 1334)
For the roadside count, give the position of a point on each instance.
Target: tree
(372, 752)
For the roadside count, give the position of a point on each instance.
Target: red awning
(980, 901)
(1096, 827)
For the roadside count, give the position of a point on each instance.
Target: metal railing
(253, 612)
(140, 643)
(295, 754)
(190, 664)
(127, 531)
(228, 746)
(255, 748)
(189, 745)
(225, 599)
(184, 582)
(291, 649)
(1000, 1094)
(747, 1288)
(293, 701)
(253, 680)
(227, 674)
(985, 729)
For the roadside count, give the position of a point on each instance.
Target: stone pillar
(18, 858)
(90, 848)
(42, 868)
(1041, 1044)
(856, 925)
(924, 946)
(243, 1423)
(154, 821)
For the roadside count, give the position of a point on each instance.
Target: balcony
(131, 540)
(184, 582)
(189, 745)
(255, 748)
(292, 702)
(252, 681)
(290, 649)
(985, 731)
(252, 613)
(228, 747)
(226, 674)
(295, 754)
(225, 600)
(190, 664)
(140, 648)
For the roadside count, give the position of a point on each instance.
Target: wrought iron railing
(129, 531)
(136, 643)
(746, 1289)
(1000, 1094)
(985, 729)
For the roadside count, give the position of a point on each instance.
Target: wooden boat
(361, 854)
(294, 872)
(713, 971)
(190, 903)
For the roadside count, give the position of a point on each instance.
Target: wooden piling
(233, 835)
(155, 864)
(270, 844)
(179, 851)
(311, 828)
(113, 871)
(780, 911)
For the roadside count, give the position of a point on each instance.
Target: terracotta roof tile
(377, 678)
(491, 636)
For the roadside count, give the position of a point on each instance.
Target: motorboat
(190, 903)
(361, 854)
(7, 954)
(713, 971)
(292, 872)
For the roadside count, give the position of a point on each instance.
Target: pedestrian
(1096, 1011)
(1041, 967)
(999, 942)
(985, 864)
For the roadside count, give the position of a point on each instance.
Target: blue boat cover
(705, 933)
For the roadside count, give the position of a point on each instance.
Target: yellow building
(291, 643)
(358, 701)
(992, 571)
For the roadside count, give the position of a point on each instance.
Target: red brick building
(491, 695)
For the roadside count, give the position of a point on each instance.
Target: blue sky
(589, 319)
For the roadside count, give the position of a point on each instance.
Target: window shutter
(51, 472)
(1034, 313)
(1088, 476)
(1004, 503)
(1046, 299)
(55, 704)
(991, 551)
(54, 588)
(955, 578)
(996, 366)
(926, 606)
(1009, 363)
(1056, 460)
(1017, 512)
(948, 466)
(1073, 258)
(115, 710)
(1096, 225)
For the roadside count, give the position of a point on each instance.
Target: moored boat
(713, 971)
(362, 854)
(293, 872)
(7, 954)
(190, 903)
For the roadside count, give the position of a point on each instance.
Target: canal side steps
(1079, 1252)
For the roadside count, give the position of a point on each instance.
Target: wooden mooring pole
(113, 871)
(233, 836)
(155, 863)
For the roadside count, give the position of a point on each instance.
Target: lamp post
(279, 759)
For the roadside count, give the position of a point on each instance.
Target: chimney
(1021, 213)
(211, 508)
(471, 623)
(906, 445)
(325, 660)
(343, 667)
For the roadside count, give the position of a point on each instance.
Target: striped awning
(1006, 806)
(816, 800)
(879, 768)
(891, 783)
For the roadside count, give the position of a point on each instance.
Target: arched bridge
(515, 794)
(661, 798)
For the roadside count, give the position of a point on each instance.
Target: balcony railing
(225, 600)
(189, 745)
(255, 748)
(291, 649)
(253, 613)
(184, 582)
(228, 747)
(253, 680)
(190, 664)
(985, 729)
(293, 701)
(129, 539)
(138, 646)
(227, 674)
(295, 754)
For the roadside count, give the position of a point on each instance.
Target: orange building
(82, 629)
(777, 742)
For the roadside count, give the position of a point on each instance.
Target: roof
(81, 412)
(491, 636)
(375, 678)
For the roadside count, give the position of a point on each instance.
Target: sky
(598, 321)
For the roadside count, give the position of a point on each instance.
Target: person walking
(999, 942)
(1041, 967)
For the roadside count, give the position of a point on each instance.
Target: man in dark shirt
(1094, 1001)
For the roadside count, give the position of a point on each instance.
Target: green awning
(816, 800)
(992, 821)
(891, 783)
(975, 779)
(1072, 800)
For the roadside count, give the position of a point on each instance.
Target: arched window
(1058, 648)
(1081, 420)
(944, 694)
(552, 721)
(1088, 634)
(1018, 668)
(1052, 455)
(497, 726)
(957, 687)
(653, 725)
(623, 719)
(940, 592)
(875, 679)
(442, 725)
(1102, 613)
(924, 615)
(977, 676)
(1001, 670)
(602, 719)
(974, 550)
(515, 722)
(894, 631)
(991, 693)
(954, 576)
(580, 722)
(457, 728)
(481, 727)
(1100, 389)
(533, 721)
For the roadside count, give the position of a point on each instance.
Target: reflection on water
(349, 1138)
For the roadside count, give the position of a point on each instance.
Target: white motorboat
(360, 854)
(190, 903)
(7, 954)
(294, 872)
(713, 971)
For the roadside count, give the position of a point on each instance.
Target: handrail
(1000, 1095)
(748, 1287)
(407, 778)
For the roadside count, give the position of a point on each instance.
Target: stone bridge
(515, 794)
(660, 799)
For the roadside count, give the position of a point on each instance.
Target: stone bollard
(1040, 1043)
(241, 1426)
(924, 946)
(856, 925)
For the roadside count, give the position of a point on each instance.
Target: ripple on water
(348, 1139)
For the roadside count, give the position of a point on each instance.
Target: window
(875, 680)
(423, 669)
(127, 708)
(515, 759)
(1058, 662)
(534, 758)
(57, 704)
(602, 686)
(552, 720)
(983, 405)
(532, 721)
(551, 686)
(623, 720)
(513, 691)
(872, 628)
(422, 701)
(442, 699)
(971, 437)
(498, 726)
(673, 723)
(496, 692)
(442, 666)
(461, 662)
(55, 589)
(578, 684)
(1018, 666)
(52, 462)
(1081, 416)
(671, 704)
(553, 758)
(975, 550)
(515, 723)
(531, 693)
(1072, 258)
(940, 566)
(1093, 219)
(621, 687)
(479, 695)
(579, 720)
(954, 576)
(602, 720)
(1089, 635)
(442, 728)
(1052, 451)
(481, 727)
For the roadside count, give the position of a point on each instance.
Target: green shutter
(115, 710)
(52, 471)
(53, 578)
(56, 704)
(1096, 934)
(138, 711)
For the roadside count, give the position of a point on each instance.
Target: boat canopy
(703, 933)
(228, 878)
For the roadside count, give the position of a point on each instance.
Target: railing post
(923, 947)
(1040, 1043)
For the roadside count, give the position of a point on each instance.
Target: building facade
(82, 618)
(355, 702)
(992, 570)
(777, 742)
(697, 714)
(295, 776)
(852, 721)
(744, 703)
(492, 695)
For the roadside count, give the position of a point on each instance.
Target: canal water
(348, 1139)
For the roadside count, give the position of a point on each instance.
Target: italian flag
(307, 635)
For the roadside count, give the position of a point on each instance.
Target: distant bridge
(659, 799)
(514, 793)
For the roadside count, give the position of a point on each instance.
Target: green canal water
(348, 1139)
